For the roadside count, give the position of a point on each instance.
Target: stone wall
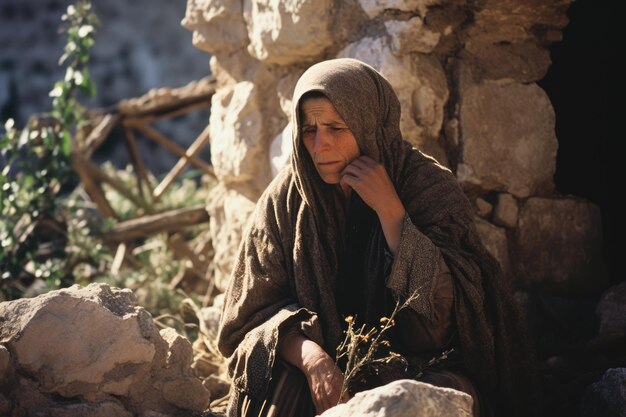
(465, 73)
(139, 46)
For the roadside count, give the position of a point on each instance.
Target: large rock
(607, 397)
(421, 86)
(557, 246)
(405, 398)
(411, 36)
(507, 45)
(94, 347)
(217, 25)
(374, 8)
(509, 142)
(612, 309)
(288, 31)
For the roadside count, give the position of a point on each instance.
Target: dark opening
(580, 84)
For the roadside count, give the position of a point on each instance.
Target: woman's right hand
(323, 376)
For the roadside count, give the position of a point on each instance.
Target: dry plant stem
(353, 341)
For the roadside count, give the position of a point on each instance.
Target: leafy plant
(38, 162)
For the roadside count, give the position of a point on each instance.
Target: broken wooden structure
(136, 116)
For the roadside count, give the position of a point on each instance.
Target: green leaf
(66, 143)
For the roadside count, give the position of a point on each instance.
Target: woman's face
(328, 140)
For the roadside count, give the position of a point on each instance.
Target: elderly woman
(358, 221)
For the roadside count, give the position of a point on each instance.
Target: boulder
(607, 397)
(217, 25)
(557, 247)
(506, 211)
(405, 398)
(373, 8)
(612, 309)
(411, 36)
(94, 347)
(508, 137)
(288, 31)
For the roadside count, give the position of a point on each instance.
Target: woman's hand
(324, 377)
(371, 181)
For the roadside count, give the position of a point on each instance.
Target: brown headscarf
(286, 272)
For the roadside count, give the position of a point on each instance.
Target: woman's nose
(321, 142)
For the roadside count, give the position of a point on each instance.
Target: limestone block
(508, 137)
(211, 315)
(288, 31)
(285, 88)
(229, 209)
(64, 354)
(374, 8)
(607, 397)
(495, 240)
(238, 153)
(280, 150)
(90, 344)
(483, 207)
(495, 22)
(524, 62)
(506, 44)
(420, 84)
(506, 211)
(405, 398)
(612, 309)
(411, 36)
(102, 409)
(217, 25)
(557, 247)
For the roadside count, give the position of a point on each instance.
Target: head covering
(288, 263)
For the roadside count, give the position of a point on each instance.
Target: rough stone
(92, 344)
(287, 31)
(612, 309)
(495, 240)
(506, 211)
(483, 207)
(508, 136)
(524, 62)
(421, 86)
(557, 246)
(374, 8)
(494, 22)
(217, 25)
(229, 209)
(236, 128)
(607, 397)
(109, 408)
(280, 150)
(506, 45)
(405, 398)
(411, 36)
(216, 386)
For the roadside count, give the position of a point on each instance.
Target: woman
(358, 221)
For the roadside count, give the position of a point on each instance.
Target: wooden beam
(191, 152)
(171, 221)
(164, 141)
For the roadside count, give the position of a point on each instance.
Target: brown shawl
(286, 271)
